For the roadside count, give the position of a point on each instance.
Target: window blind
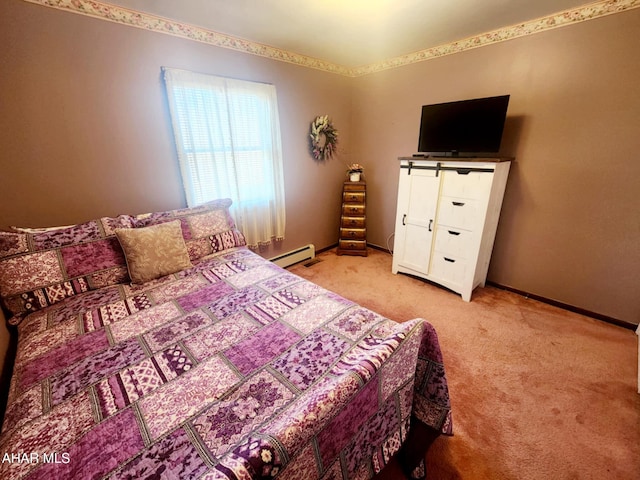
(227, 135)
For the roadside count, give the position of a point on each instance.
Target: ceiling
(351, 33)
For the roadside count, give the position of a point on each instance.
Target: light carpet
(537, 392)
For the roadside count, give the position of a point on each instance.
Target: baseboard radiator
(298, 255)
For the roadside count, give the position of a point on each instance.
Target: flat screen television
(465, 128)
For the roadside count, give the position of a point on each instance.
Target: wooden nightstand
(353, 230)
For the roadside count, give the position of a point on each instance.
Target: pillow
(38, 230)
(206, 229)
(155, 251)
(41, 268)
(226, 240)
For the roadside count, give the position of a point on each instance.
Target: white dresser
(446, 219)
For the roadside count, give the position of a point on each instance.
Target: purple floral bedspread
(234, 369)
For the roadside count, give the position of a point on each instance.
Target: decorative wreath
(324, 138)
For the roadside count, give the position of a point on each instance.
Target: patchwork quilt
(231, 369)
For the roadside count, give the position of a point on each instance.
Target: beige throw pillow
(154, 251)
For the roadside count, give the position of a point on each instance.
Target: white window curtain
(227, 136)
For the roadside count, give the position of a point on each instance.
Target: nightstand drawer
(352, 209)
(354, 187)
(352, 244)
(454, 241)
(353, 233)
(353, 222)
(459, 212)
(353, 197)
(469, 185)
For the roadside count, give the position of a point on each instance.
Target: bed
(160, 346)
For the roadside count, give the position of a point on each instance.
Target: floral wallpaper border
(158, 24)
(560, 19)
(154, 23)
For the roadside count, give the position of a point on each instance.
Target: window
(227, 135)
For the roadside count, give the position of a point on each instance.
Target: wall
(85, 130)
(570, 224)
(7, 351)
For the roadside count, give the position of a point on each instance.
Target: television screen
(466, 127)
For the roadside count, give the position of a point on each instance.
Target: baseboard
(378, 247)
(533, 296)
(566, 306)
(335, 245)
(287, 259)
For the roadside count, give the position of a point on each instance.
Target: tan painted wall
(85, 129)
(7, 354)
(4, 345)
(570, 225)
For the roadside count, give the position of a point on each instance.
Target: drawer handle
(353, 234)
(451, 260)
(458, 204)
(451, 232)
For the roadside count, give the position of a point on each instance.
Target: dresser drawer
(459, 212)
(448, 268)
(352, 209)
(466, 185)
(454, 241)
(353, 222)
(354, 187)
(353, 197)
(352, 244)
(353, 233)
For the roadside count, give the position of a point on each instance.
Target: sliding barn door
(415, 219)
